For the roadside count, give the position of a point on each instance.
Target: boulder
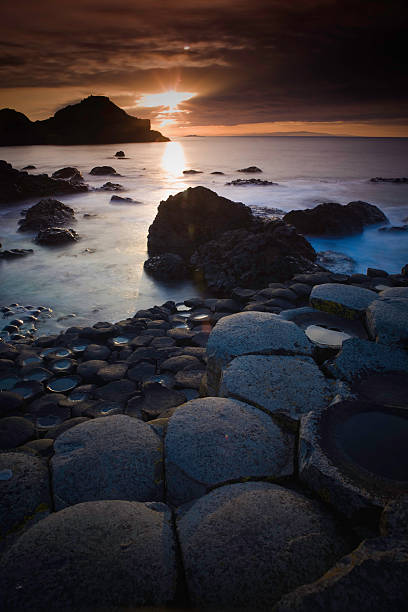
(213, 441)
(250, 169)
(244, 182)
(156, 400)
(192, 171)
(69, 173)
(245, 545)
(97, 555)
(167, 266)
(192, 217)
(249, 333)
(46, 213)
(114, 457)
(111, 187)
(380, 179)
(371, 579)
(56, 235)
(387, 317)
(120, 154)
(279, 385)
(251, 258)
(343, 300)
(335, 219)
(103, 171)
(119, 200)
(16, 185)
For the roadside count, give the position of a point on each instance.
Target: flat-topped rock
(211, 441)
(249, 333)
(342, 300)
(371, 579)
(245, 545)
(279, 385)
(114, 457)
(387, 317)
(95, 555)
(358, 358)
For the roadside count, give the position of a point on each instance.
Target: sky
(236, 67)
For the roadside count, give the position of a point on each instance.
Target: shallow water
(101, 277)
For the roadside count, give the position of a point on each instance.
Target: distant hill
(94, 120)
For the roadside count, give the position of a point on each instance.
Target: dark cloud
(265, 60)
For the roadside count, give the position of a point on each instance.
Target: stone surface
(115, 457)
(245, 545)
(156, 400)
(96, 351)
(358, 358)
(212, 441)
(97, 555)
(387, 317)
(191, 379)
(117, 390)
(14, 431)
(280, 385)
(24, 494)
(394, 519)
(166, 266)
(56, 235)
(251, 333)
(46, 213)
(182, 362)
(371, 579)
(342, 300)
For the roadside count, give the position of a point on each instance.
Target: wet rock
(186, 220)
(115, 457)
(96, 351)
(191, 379)
(279, 385)
(119, 200)
(15, 431)
(69, 173)
(56, 235)
(167, 266)
(342, 300)
(336, 262)
(192, 172)
(111, 187)
(370, 579)
(15, 253)
(182, 362)
(131, 544)
(390, 389)
(103, 171)
(212, 441)
(250, 169)
(46, 213)
(24, 495)
(141, 371)
(114, 371)
(116, 391)
(120, 154)
(379, 179)
(335, 219)
(250, 333)
(183, 337)
(387, 317)
(256, 542)
(244, 182)
(155, 401)
(394, 228)
(88, 369)
(376, 273)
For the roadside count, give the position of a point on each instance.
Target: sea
(101, 277)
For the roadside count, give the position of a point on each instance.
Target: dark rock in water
(335, 219)
(15, 253)
(192, 172)
(252, 169)
(103, 170)
(375, 272)
(167, 266)
(111, 187)
(268, 252)
(118, 200)
(46, 213)
(70, 173)
(94, 120)
(193, 217)
(29, 167)
(241, 182)
(394, 228)
(379, 179)
(336, 262)
(56, 235)
(216, 172)
(16, 185)
(404, 271)
(120, 154)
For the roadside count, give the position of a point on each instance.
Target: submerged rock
(118, 200)
(14, 253)
(68, 173)
(379, 179)
(166, 266)
(250, 182)
(103, 170)
(111, 187)
(192, 172)
(120, 154)
(250, 169)
(340, 263)
(46, 213)
(335, 219)
(56, 235)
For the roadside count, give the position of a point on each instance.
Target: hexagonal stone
(287, 386)
(156, 400)
(24, 494)
(372, 578)
(88, 369)
(249, 333)
(15, 431)
(96, 351)
(354, 455)
(212, 441)
(114, 457)
(116, 391)
(112, 371)
(191, 379)
(387, 317)
(181, 362)
(358, 358)
(245, 545)
(343, 300)
(96, 555)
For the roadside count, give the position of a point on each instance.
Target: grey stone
(182, 336)
(115, 457)
(141, 371)
(96, 351)
(371, 579)
(57, 431)
(112, 371)
(97, 555)
(387, 317)
(24, 495)
(116, 391)
(394, 519)
(191, 379)
(156, 400)
(14, 431)
(283, 386)
(245, 545)
(358, 358)
(212, 441)
(343, 300)
(249, 333)
(88, 369)
(182, 362)
(301, 289)
(44, 447)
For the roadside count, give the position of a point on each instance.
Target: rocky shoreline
(207, 446)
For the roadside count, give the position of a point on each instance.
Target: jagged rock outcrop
(94, 120)
(46, 213)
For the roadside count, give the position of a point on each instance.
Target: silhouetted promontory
(94, 120)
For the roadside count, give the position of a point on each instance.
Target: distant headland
(94, 120)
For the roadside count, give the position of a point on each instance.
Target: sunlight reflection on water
(173, 161)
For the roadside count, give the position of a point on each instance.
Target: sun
(169, 99)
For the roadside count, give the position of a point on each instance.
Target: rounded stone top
(345, 300)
